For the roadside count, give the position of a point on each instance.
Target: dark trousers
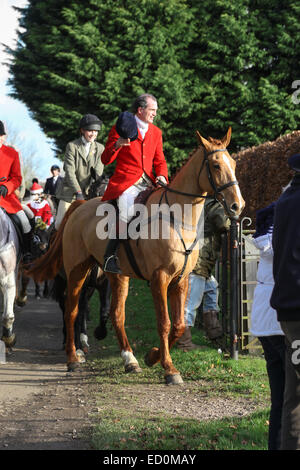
(290, 439)
(274, 351)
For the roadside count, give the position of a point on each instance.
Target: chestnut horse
(164, 261)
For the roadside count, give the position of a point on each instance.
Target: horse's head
(217, 174)
(98, 187)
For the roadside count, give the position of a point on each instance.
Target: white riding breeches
(24, 221)
(127, 198)
(63, 206)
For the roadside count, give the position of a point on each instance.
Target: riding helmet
(54, 167)
(294, 162)
(126, 126)
(90, 122)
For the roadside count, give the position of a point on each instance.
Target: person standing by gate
(202, 284)
(285, 299)
(264, 323)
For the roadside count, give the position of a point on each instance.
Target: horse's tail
(47, 266)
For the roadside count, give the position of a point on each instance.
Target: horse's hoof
(73, 366)
(152, 357)
(135, 368)
(81, 356)
(9, 341)
(21, 301)
(174, 379)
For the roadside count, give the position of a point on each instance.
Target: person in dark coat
(285, 299)
(52, 183)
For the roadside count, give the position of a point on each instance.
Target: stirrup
(110, 265)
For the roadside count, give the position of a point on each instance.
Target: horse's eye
(216, 166)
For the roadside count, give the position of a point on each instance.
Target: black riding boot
(28, 246)
(110, 257)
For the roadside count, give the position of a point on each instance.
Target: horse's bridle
(217, 190)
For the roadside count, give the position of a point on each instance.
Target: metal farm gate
(236, 274)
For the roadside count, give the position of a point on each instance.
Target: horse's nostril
(234, 207)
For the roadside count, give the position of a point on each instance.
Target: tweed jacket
(142, 156)
(77, 167)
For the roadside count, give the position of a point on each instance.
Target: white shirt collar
(142, 126)
(86, 144)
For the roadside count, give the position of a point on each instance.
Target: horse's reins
(217, 191)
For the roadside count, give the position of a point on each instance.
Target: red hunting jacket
(11, 177)
(132, 161)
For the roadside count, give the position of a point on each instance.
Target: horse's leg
(46, 290)
(80, 324)
(8, 287)
(75, 283)
(37, 290)
(104, 291)
(119, 286)
(177, 298)
(22, 296)
(159, 288)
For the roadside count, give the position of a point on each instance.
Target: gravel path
(43, 407)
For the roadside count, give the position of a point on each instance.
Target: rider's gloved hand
(79, 196)
(3, 190)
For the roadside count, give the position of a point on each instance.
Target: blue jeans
(200, 289)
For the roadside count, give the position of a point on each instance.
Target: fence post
(234, 286)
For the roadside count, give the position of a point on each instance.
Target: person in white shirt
(264, 323)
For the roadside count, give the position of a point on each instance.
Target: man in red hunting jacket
(136, 145)
(10, 180)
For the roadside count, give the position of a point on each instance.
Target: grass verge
(121, 426)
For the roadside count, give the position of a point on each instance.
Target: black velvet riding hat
(2, 128)
(294, 162)
(90, 122)
(126, 126)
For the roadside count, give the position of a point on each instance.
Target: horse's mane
(184, 163)
(213, 141)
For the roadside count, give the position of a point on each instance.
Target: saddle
(141, 198)
(18, 227)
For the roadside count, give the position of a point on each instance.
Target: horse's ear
(226, 138)
(203, 141)
(93, 173)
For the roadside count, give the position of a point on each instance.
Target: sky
(13, 112)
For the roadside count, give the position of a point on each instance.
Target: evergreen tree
(210, 64)
(233, 85)
(94, 56)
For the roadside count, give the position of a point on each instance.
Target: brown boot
(185, 341)
(212, 325)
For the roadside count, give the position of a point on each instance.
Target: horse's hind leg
(159, 288)
(119, 286)
(75, 282)
(104, 291)
(8, 287)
